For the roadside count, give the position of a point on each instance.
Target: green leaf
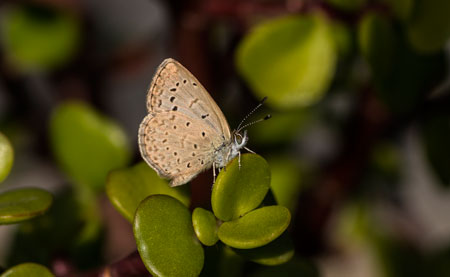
(87, 145)
(66, 225)
(436, 138)
(294, 267)
(377, 42)
(286, 182)
(343, 38)
(6, 157)
(402, 9)
(291, 60)
(39, 37)
(27, 270)
(23, 204)
(283, 127)
(429, 27)
(276, 252)
(126, 188)
(165, 237)
(401, 76)
(240, 190)
(255, 229)
(205, 226)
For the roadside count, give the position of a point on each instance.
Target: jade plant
(171, 240)
(22, 204)
(174, 238)
(19, 205)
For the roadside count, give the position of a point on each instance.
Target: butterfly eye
(237, 138)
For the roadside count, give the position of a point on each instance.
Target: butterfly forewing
(174, 88)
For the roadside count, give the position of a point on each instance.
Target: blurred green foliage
(66, 229)
(387, 55)
(287, 181)
(401, 76)
(429, 25)
(436, 137)
(86, 144)
(53, 35)
(290, 59)
(294, 267)
(348, 5)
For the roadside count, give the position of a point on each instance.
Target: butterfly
(185, 132)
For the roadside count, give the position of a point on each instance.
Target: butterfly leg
(249, 150)
(214, 172)
(239, 159)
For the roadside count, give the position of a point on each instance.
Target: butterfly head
(239, 141)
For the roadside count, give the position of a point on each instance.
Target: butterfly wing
(174, 88)
(177, 146)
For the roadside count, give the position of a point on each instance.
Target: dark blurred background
(358, 143)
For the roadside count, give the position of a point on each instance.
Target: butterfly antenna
(253, 122)
(250, 113)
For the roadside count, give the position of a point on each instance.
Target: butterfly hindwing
(177, 146)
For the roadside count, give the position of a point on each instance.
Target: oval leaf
(287, 181)
(165, 237)
(429, 27)
(28, 270)
(240, 190)
(276, 252)
(205, 226)
(126, 188)
(37, 37)
(86, 144)
(255, 229)
(22, 204)
(291, 60)
(294, 267)
(377, 42)
(6, 157)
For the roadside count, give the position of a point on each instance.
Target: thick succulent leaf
(255, 229)
(165, 237)
(27, 270)
(294, 267)
(6, 157)
(126, 188)
(23, 204)
(205, 226)
(276, 252)
(239, 190)
(86, 144)
(291, 60)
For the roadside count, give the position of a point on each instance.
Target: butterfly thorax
(228, 150)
